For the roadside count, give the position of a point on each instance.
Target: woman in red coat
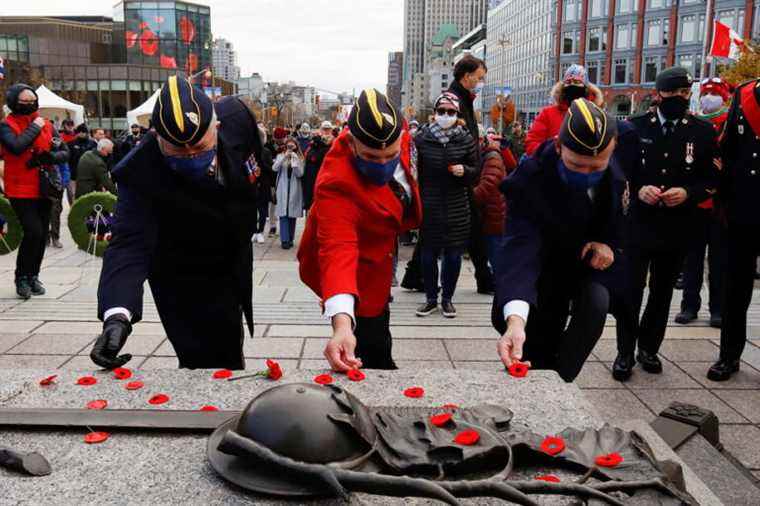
(29, 145)
(365, 196)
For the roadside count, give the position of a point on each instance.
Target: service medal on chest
(740, 128)
(626, 200)
(689, 153)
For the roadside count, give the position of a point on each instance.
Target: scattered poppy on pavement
(518, 370)
(323, 379)
(209, 408)
(158, 399)
(450, 406)
(356, 375)
(467, 438)
(548, 477)
(122, 373)
(95, 437)
(98, 404)
(609, 460)
(134, 385)
(86, 381)
(440, 420)
(48, 381)
(222, 374)
(414, 392)
(553, 445)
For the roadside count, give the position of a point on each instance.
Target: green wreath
(11, 233)
(86, 208)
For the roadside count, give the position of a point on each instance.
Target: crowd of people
(564, 224)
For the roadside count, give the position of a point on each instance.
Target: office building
(224, 60)
(395, 72)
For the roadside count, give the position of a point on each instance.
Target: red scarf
(750, 107)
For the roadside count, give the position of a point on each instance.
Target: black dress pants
(552, 342)
(374, 344)
(478, 251)
(708, 239)
(663, 266)
(34, 215)
(743, 249)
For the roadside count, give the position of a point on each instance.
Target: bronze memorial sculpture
(306, 440)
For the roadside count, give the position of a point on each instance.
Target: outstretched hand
(339, 351)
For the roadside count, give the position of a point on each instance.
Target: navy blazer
(150, 190)
(548, 224)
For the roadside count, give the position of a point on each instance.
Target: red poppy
(99, 404)
(167, 62)
(222, 374)
(274, 371)
(134, 385)
(86, 381)
(414, 392)
(609, 460)
(186, 30)
(95, 437)
(122, 373)
(518, 370)
(553, 445)
(158, 399)
(356, 375)
(131, 38)
(441, 419)
(323, 379)
(467, 437)
(450, 406)
(209, 408)
(148, 42)
(45, 382)
(548, 477)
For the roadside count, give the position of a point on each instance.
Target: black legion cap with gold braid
(587, 129)
(374, 121)
(182, 113)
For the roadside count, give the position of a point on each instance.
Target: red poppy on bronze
(274, 370)
(323, 379)
(134, 385)
(553, 445)
(356, 375)
(122, 373)
(441, 419)
(95, 437)
(609, 460)
(518, 370)
(548, 477)
(414, 392)
(159, 399)
(209, 408)
(86, 381)
(222, 374)
(98, 404)
(46, 382)
(467, 437)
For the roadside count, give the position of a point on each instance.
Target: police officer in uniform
(675, 174)
(739, 196)
(556, 267)
(185, 216)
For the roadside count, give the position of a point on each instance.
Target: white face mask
(445, 121)
(479, 88)
(711, 103)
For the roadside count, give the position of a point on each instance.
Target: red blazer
(352, 228)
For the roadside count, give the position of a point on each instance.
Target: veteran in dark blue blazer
(185, 216)
(557, 266)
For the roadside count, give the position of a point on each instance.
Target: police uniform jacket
(684, 159)
(168, 229)
(547, 226)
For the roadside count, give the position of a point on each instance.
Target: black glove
(33, 162)
(46, 158)
(104, 353)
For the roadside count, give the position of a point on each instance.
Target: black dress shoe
(427, 309)
(722, 370)
(650, 362)
(622, 368)
(686, 316)
(716, 321)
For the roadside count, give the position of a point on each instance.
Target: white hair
(104, 143)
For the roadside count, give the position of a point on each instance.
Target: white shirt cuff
(341, 303)
(517, 308)
(117, 310)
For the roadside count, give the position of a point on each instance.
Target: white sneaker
(260, 238)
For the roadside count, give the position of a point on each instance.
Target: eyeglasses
(445, 112)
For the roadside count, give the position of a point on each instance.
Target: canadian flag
(726, 43)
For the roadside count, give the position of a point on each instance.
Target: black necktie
(668, 128)
(400, 193)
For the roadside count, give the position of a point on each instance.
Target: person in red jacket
(488, 197)
(546, 126)
(28, 146)
(365, 196)
(714, 95)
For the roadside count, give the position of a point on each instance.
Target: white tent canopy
(142, 114)
(54, 107)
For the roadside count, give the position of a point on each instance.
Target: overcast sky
(337, 45)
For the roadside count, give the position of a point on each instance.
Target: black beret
(182, 113)
(374, 121)
(587, 129)
(673, 79)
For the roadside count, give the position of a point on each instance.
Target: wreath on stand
(11, 232)
(90, 221)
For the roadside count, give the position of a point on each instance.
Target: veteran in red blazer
(366, 195)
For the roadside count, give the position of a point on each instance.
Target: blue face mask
(578, 180)
(377, 173)
(194, 168)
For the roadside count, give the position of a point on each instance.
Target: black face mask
(571, 93)
(673, 108)
(25, 109)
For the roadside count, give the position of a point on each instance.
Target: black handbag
(51, 185)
